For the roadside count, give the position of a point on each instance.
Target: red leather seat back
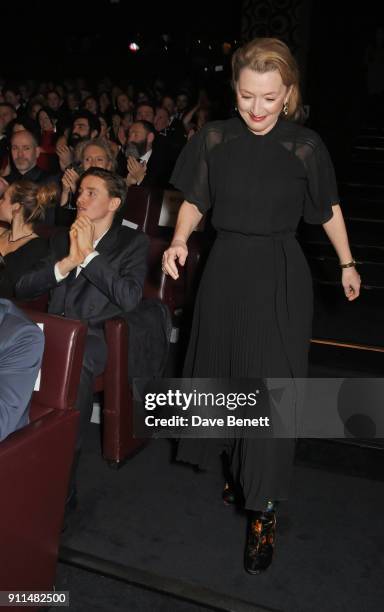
(159, 285)
(153, 217)
(136, 206)
(62, 362)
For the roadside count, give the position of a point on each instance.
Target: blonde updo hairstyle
(269, 54)
(33, 199)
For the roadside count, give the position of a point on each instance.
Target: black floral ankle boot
(260, 542)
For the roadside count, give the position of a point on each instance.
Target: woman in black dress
(21, 206)
(260, 172)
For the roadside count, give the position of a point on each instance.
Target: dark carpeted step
(328, 269)
(353, 187)
(361, 252)
(360, 231)
(361, 208)
(359, 321)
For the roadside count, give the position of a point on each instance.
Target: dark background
(45, 40)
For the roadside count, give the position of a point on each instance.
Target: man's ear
(38, 151)
(114, 204)
(94, 134)
(150, 138)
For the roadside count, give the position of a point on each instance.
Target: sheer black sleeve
(191, 172)
(322, 190)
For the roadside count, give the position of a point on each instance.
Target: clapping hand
(70, 179)
(136, 170)
(85, 232)
(65, 155)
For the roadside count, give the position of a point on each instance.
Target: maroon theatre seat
(35, 463)
(118, 440)
(137, 206)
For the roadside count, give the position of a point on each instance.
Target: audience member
(21, 353)
(84, 125)
(145, 112)
(22, 206)
(149, 162)
(94, 273)
(24, 153)
(95, 153)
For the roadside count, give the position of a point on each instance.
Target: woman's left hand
(351, 282)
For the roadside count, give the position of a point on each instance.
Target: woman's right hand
(64, 154)
(70, 179)
(177, 250)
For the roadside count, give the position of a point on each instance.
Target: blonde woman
(260, 172)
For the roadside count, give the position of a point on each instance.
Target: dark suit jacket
(36, 175)
(160, 165)
(108, 286)
(21, 352)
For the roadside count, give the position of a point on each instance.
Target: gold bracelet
(350, 264)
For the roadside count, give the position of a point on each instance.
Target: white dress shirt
(144, 158)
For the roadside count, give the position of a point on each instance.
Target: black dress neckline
(274, 129)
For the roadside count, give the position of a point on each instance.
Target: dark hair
(11, 87)
(140, 104)
(51, 114)
(55, 92)
(32, 102)
(115, 184)
(33, 198)
(74, 93)
(93, 120)
(91, 97)
(149, 127)
(28, 124)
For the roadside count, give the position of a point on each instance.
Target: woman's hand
(177, 250)
(65, 155)
(351, 282)
(70, 179)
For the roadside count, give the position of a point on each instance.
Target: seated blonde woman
(96, 153)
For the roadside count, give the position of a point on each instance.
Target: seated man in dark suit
(152, 163)
(21, 352)
(25, 152)
(94, 273)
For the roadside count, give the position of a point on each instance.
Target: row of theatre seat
(35, 461)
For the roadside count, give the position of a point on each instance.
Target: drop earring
(285, 109)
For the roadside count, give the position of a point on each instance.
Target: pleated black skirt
(252, 319)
